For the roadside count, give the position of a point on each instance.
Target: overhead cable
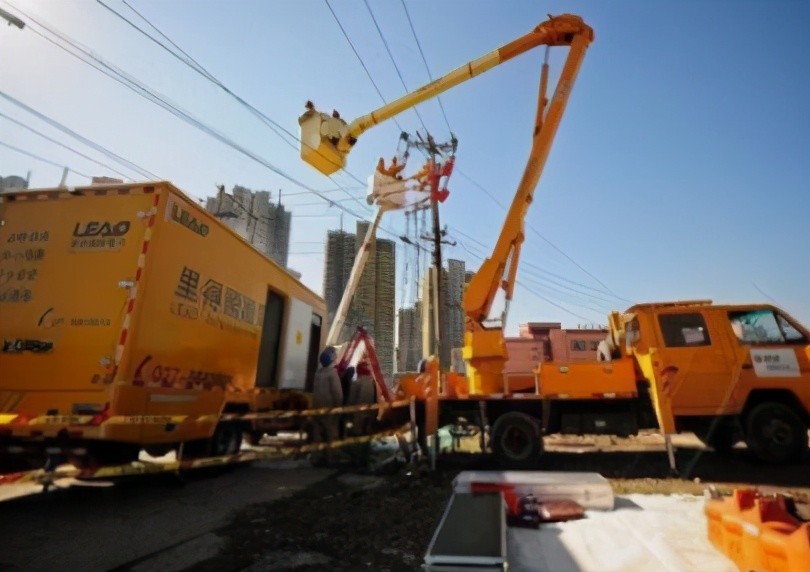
(536, 294)
(43, 159)
(284, 134)
(543, 238)
(393, 61)
(69, 148)
(157, 98)
(362, 63)
(424, 60)
(129, 164)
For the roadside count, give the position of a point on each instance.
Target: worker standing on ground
(346, 379)
(363, 392)
(327, 392)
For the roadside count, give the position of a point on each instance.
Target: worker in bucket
(363, 392)
(327, 392)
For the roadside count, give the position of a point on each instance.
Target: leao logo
(101, 228)
(185, 218)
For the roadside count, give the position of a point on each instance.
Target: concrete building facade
(255, 218)
(409, 338)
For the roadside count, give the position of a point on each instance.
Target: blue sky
(680, 169)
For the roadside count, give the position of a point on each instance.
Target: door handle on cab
(748, 366)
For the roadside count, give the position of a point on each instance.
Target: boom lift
(326, 141)
(389, 191)
(726, 373)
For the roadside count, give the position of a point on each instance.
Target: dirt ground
(355, 520)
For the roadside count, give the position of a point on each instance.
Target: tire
(226, 440)
(776, 433)
(516, 440)
(105, 455)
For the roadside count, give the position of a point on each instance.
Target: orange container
(759, 533)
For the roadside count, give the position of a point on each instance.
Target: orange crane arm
(499, 270)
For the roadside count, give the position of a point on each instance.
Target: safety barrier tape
(83, 420)
(316, 412)
(44, 477)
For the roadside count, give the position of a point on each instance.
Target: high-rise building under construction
(251, 214)
(453, 279)
(409, 338)
(373, 305)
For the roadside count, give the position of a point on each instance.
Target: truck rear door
(66, 263)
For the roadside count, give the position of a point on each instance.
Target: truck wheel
(776, 433)
(109, 454)
(227, 439)
(516, 440)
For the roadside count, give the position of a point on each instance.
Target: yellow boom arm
(326, 139)
(493, 274)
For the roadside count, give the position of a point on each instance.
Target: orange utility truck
(132, 318)
(728, 373)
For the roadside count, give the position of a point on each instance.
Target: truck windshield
(763, 327)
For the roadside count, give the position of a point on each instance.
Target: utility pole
(435, 172)
(253, 216)
(220, 193)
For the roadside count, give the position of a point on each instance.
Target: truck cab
(726, 372)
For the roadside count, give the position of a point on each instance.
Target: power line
(534, 293)
(555, 304)
(448, 123)
(362, 63)
(533, 281)
(43, 159)
(81, 138)
(564, 288)
(324, 191)
(141, 89)
(543, 238)
(567, 290)
(69, 148)
(393, 61)
(754, 284)
(168, 39)
(194, 65)
(527, 264)
(424, 60)
(197, 67)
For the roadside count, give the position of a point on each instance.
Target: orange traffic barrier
(759, 533)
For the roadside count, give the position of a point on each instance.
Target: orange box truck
(132, 318)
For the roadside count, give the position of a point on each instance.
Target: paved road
(97, 529)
